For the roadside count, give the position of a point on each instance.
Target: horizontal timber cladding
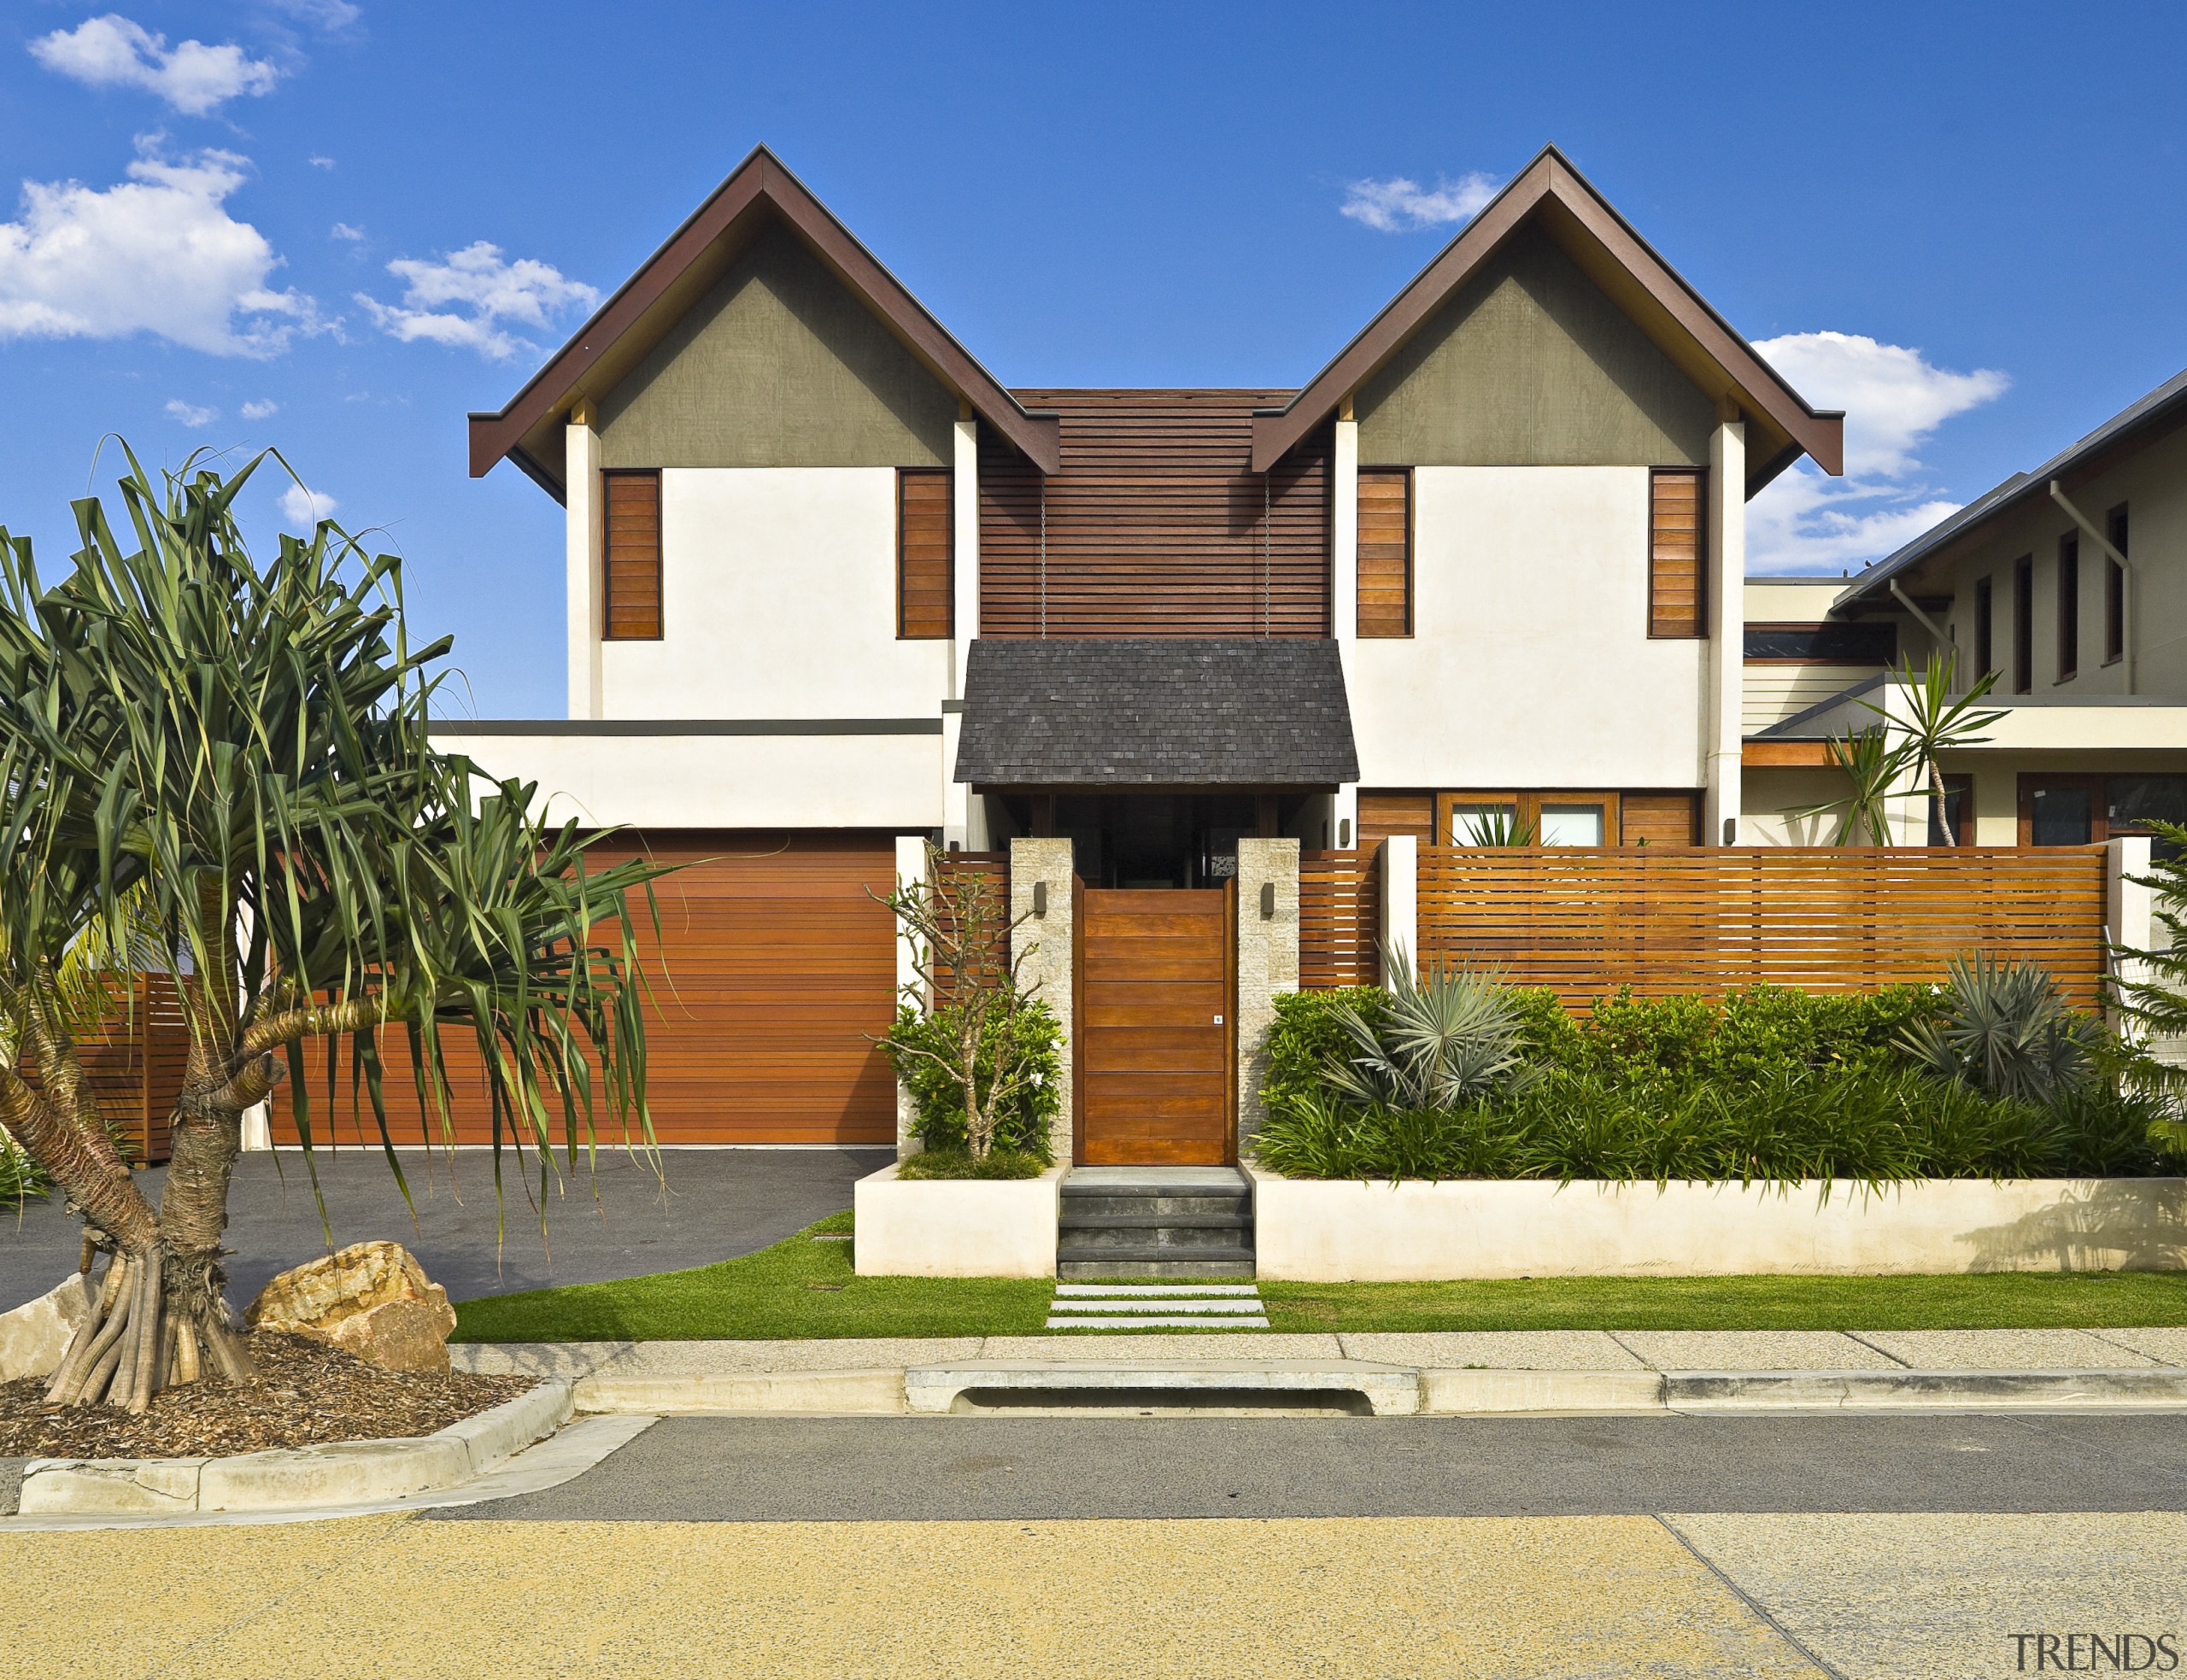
(1155, 523)
(1678, 586)
(633, 556)
(772, 966)
(1340, 920)
(1385, 608)
(1153, 997)
(963, 880)
(1385, 814)
(925, 586)
(136, 1061)
(1661, 819)
(1710, 919)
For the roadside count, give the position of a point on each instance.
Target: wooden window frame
(2099, 793)
(1700, 476)
(1986, 626)
(609, 477)
(2116, 527)
(2068, 606)
(1411, 550)
(2023, 624)
(1527, 804)
(1800, 659)
(905, 475)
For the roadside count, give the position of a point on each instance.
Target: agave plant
(1448, 1040)
(2002, 1028)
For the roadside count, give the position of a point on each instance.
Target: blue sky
(1966, 224)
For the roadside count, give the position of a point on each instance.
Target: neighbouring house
(2070, 583)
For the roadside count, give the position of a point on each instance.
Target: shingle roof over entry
(1148, 712)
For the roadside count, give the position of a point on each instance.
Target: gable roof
(1705, 347)
(1156, 711)
(2139, 424)
(647, 305)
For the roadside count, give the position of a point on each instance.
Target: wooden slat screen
(1340, 920)
(137, 1061)
(632, 560)
(1382, 815)
(1711, 919)
(992, 868)
(1155, 523)
(1677, 554)
(773, 972)
(926, 586)
(1661, 819)
(1385, 551)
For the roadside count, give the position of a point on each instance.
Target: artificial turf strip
(1984, 1301)
(803, 1288)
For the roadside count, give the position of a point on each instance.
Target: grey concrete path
(959, 1468)
(718, 1203)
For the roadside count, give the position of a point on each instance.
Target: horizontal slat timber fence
(1711, 920)
(773, 972)
(1340, 920)
(137, 1061)
(992, 870)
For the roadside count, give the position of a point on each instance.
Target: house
(832, 584)
(2070, 583)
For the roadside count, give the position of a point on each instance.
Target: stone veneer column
(1045, 945)
(1267, 963)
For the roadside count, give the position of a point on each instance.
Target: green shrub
(938, 1100)
(21, 1179)
(957, 1163)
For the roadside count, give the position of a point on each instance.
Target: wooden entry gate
(1155, 986)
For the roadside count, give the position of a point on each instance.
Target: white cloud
(304, 508)
(191, 415)
(1894, 400)
(329, 15)
(1400, 205)
(111, 51)
(485, 290)
(260, 411)
(158, 254)
(319, 162)
(344, 230)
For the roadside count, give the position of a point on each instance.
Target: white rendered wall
(778, 600)
(581, 511)
(1727, 644)
(1530, 666)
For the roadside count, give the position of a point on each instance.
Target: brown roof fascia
(1551, 179)
(760, 177)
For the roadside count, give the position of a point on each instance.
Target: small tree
(1879, 758)
(968, 983)
(2152, 1001)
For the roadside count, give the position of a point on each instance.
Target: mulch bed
(307, 1393)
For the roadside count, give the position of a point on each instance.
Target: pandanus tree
(227, 765)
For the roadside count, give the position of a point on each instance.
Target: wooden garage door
(1154, 1009)
(773, 964)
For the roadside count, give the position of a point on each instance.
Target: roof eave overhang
(1662, 302)
(648, 303)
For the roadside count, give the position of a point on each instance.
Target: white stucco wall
(722, 781)
(1531, 664)
(778, 592)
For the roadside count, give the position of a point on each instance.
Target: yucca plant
(2003, 1028)
(235, 757)
(1445, 1041)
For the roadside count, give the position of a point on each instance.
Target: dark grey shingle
(1156, 711)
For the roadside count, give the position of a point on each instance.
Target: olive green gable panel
(1532, 365)
(778, 365)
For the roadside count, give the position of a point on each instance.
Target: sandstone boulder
(34, 1338)
(371, 1298)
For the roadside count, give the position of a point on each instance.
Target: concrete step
(1150, 1262)
(1108, 1240)
(1113, 1204)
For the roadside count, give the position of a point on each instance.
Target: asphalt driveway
(717, 1204)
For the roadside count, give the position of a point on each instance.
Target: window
(925, 555)
(630, 560)
(1985, 620)
(2069, 606)
(1384, 603)
(1875, 644)
(2077, 810)
(1529, 819)
(2023, 624)
(1677, 552)
(2114, 588)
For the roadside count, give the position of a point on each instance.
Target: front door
(1154, 1028)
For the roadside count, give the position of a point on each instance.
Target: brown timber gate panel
(1154, 1031)
(772, 967)
(1710, 919)
(1340, 920)
(137, 1061)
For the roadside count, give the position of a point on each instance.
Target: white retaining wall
(956, 1227)
(1320, 1232)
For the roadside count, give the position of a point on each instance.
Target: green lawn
(803, 1288)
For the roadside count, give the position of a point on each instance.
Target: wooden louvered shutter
(632, 561)
(1677, 554)
(1385, 551)
(925, 555)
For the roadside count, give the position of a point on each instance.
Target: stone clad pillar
(1045, 943)
(1268, 963)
